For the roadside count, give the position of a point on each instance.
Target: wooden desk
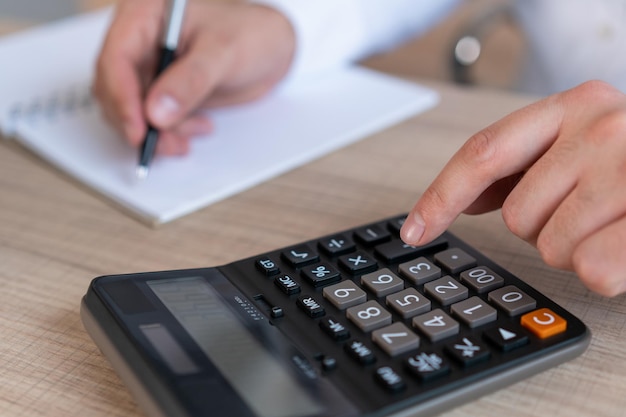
(55, 236)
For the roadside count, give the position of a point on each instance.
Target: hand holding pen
(227, 53)
(168, 51)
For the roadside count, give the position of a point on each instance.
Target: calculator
(355, 323)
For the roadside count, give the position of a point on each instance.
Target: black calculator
(355, 323)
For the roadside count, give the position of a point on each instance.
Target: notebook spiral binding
(51, 107)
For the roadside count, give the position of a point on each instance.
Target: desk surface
(55, 236)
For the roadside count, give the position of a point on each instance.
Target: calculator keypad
(427, 365)
(436, 325)
(396, 339)
(419, 271)
(345, 294)
(369, 316)
(474, 312)
(409, 316)
(408, 303)
(512, 300)
(382, 282)
(446, 290)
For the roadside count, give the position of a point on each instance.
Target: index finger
(507, 147)
(127, 54)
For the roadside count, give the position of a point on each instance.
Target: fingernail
(165, 110)
(412, 229)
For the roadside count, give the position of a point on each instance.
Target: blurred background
(431, 56)
(563, 42)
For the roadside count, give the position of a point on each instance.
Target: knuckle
(595, 278)
(607, 121)
(433, 201)
(550, 252)
(609, 127)
(481, 147)
(596, 88)
(512, 220)
(593, 91)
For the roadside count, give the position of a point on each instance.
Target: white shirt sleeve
(572, 41)
(330, 33)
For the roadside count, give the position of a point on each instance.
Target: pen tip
(141, 172)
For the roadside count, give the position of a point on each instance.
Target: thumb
(186, 84)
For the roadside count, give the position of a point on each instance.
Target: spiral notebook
(45, 104)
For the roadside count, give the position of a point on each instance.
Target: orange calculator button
(544, 323)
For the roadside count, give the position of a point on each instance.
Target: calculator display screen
(256, 374)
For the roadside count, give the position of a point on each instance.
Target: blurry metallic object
(469, 44)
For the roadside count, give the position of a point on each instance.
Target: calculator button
(344, 294)
(287, 285)
(396, 224)
(455, 260)
(371, 235)
(277, 312)
(396, 251)
(396, 339)
(360, 352)
(408, 303)
(358, 263)
(310, 306)
(337, 245)
(389, 378)
(474, 312)
(369, 316)
(267, 266)
(512, 300)
(419, 271)
(382, 282)
(446, 290)
(334, 328)
(427, 365)
(507, 337)
(329, 363)
(544, 323)
(436, 325)
(467, 351)
(320, 274)
(300, 255)
(482, 279)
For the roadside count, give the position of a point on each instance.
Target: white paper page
(251, 142)
(48, 61)
(302, 120)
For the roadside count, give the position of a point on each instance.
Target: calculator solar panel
(353, 323)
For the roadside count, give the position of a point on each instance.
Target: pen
(173, 28)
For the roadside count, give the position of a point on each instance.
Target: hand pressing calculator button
(368, 326)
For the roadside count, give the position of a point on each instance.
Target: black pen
(173, 28)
